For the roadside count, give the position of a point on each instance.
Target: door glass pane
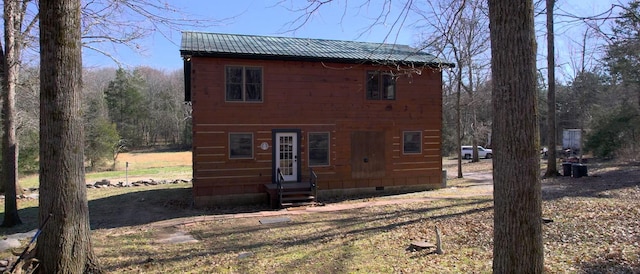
(286, 155)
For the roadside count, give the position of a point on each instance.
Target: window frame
(328, 163)
(382, 94)
(231, 157)
(404, 142)
(244, 85)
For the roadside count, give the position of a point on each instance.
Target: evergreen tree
(126, 107)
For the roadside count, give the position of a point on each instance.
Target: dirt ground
(154, 204)
(589, 234)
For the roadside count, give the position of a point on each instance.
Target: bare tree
(108, 23)
(460, 33)
(104, 22)
(552, 167)
(517, 190)
(65, 243)
(15, 35)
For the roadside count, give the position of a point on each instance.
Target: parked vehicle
(467, 152)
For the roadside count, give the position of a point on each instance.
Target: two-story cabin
(364, 116)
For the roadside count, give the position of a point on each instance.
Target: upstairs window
(243, 84)
(380, 86)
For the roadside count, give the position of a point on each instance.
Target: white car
(467, 152)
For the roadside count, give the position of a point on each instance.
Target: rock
(22, 236)
(9, 243)
(104, 182)
(245, 255)
(4, 263)
(177, 237)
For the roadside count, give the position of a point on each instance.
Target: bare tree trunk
(10, 60)
(459, 122)
(552, 167)
(517, 234)
(65, 243)
(474, 142)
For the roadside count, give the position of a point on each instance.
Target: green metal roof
(287, 48)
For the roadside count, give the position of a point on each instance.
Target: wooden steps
(284, 194)
(297, 198)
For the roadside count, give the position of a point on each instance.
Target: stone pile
(32, 193)
(148, 182)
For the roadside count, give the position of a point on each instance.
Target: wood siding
(314, 97)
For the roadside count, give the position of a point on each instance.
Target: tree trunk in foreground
(517, 237)
(65, 243)
(552, 167)
(10, 58)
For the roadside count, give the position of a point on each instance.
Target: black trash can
(566, 169)
(578, 170)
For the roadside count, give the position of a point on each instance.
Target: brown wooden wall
(313, 97)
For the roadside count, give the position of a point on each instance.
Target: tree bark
(552, 167)
(517, 235)
(10, 62)
(65, 243)
(459, 121)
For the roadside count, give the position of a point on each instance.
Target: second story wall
(313, 93)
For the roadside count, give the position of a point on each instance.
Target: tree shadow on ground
(599, 185)
(144, 207)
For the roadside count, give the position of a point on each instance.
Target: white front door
(287, 155)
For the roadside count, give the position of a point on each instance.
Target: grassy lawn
(596, 229)
(159, 165)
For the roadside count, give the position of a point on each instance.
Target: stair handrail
(279, 181)
(313, 179)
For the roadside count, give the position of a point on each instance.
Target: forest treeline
(122, 110)
(599, 94)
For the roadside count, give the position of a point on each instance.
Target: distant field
(144, 165)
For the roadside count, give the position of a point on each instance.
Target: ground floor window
(240, 145)
(411, 142)
(318, 149)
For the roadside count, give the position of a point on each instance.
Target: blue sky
(267, 17)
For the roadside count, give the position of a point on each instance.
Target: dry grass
(153, 160)
(451, 166)
(156, 165)
(596, 229)
(375, 240)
